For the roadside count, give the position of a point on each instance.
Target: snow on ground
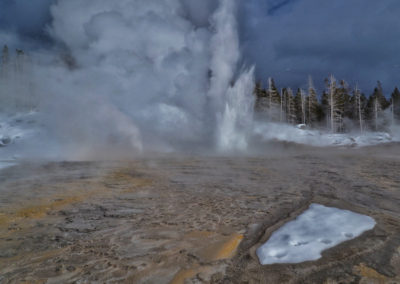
(14, 131)
(6, 165)
(16, 127)
(312, 232)
(301, 135)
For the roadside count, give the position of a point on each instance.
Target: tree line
(339, 108)
(16, 87)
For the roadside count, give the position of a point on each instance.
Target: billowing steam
(142, 75)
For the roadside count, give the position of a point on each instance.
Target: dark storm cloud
(356, 40)
(23, 22)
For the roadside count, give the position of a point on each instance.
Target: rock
(71, 268)
(217, 277)
(202, 277)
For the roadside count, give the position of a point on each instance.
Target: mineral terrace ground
(195, 219)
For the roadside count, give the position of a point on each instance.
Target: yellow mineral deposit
(184, 274)
(228, 249)
(225, 248)
(370, 275)
(79, 192)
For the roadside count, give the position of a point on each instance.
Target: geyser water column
(235, 124)
(233, 102)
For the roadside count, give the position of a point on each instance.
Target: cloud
(287, 39)
(356, 40)
(27, 19)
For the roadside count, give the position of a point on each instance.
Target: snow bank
(312, 232)
(6, 165)
(298, 134)
(15, 127)
(15, 131)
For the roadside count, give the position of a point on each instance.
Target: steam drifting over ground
(140, 76)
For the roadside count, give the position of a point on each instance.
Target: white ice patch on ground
(299, 134)
(6, 164)
(16, 131)
(312, 232)
(15, 127)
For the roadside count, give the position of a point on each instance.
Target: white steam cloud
(143, 75)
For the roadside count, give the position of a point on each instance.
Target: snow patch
(15, 127)
(15, 131)
(301, 135)
(312, 232)
(4, 165)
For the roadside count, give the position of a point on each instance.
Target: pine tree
(343, 105)
(381, 97)
(332, 103)
(290, 108)
(325, 106)
(377, 103)
(261, 104)
(377, 109)
(19, 62)
(257, 94)
(312, 104)
(5, 60)
(274, 101)
(359, 107)
(281, 112)
(300, 106)
(395, 106)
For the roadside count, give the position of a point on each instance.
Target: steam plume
(141, 75)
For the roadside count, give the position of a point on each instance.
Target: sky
(288, 40)
(355, 40)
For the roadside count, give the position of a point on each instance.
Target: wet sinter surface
(194, 219)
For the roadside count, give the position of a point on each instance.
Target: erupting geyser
(141, 75)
